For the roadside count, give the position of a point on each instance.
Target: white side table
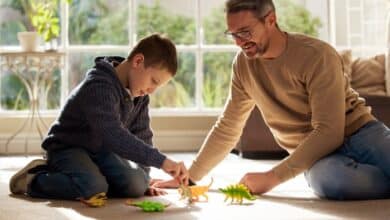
(34, 69)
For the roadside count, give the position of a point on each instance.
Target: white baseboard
(166, 141)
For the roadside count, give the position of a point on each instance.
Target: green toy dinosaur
(148, 206)
(237, 193)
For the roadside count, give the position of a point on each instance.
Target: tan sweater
(304, 97)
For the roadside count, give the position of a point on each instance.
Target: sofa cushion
(368, 75)
(346, 57)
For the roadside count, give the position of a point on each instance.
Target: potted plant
(43, 19)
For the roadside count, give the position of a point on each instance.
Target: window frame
(198, 48)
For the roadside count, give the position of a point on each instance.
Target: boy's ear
(138, 60)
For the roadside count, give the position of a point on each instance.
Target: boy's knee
(134, 184)
(94, 184)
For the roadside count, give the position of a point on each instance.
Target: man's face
(248, 32)
(144, 81)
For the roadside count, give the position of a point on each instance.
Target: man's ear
(271, 18)
(138, 60)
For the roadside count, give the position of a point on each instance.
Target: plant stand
(34, 69)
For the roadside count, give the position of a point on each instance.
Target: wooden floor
(291, 200)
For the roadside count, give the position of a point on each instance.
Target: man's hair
(158, 51)
(260, 8)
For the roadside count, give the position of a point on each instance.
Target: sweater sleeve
(325, 86)
(141, 125)
(225, 133)
(100, 105)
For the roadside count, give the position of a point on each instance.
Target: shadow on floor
(364, 209)
(114, 209)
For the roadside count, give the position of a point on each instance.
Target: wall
(172, 133)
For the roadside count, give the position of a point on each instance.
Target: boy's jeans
(359, 169)
(75, 173)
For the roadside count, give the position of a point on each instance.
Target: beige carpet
(291, 200)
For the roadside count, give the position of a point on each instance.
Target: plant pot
(29, 41)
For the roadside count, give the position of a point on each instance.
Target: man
(299, 86)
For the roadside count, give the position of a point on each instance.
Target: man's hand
(261, 182)
(177, 170)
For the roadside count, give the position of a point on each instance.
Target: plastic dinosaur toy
(192, 193)
(148, 206)
(237, 193)
(95, 201)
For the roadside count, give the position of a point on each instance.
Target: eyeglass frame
(245, 34)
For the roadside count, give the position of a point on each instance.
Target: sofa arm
(380, 107)
(257, 141)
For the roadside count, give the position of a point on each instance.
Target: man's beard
(258, 50)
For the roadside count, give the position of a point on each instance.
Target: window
(361, 25)
(101, 27)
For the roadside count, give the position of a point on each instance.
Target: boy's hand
(176, 170)
(168, 184)
(154, 191)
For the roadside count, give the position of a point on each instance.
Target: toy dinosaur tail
(211, 182)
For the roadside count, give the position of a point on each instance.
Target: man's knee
(344, 179)
(326, 181)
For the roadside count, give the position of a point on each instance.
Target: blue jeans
(359, 169)
(74, 173)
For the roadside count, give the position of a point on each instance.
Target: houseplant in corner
(44, 19)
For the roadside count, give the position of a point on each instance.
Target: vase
(28, 40)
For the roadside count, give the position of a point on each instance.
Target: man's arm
(225, 133)
(326, 86)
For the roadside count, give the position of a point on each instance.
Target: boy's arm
(100, 104)
(141, 126)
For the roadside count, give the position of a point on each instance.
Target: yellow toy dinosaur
(95, 201)
(194, 192)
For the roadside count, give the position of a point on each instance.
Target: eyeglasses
(245, 34)
(242, 35)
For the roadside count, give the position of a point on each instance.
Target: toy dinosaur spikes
(237, 193)
(148, 206)
(194, 192)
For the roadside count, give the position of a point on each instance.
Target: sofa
(368, 76)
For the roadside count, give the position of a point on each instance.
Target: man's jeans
(359, 169)
(75, 173)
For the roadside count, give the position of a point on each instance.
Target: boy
(104, 123)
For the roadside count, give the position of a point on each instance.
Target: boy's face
(144, 81)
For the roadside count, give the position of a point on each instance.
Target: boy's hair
(158, 51)
(260, 8)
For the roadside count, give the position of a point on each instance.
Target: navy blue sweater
(99, 116)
